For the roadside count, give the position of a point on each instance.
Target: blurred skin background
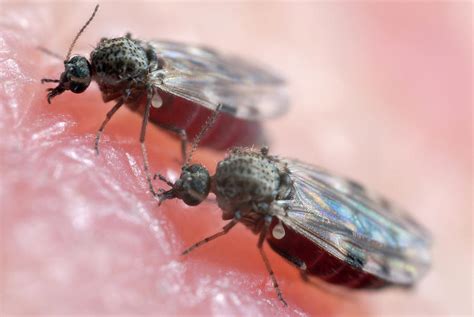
(380, 92)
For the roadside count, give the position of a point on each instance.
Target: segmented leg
(263, 234)
(104, 123)
(183, 136)
(48, 80)
(225, 229)
(163, 179)
(146, 166)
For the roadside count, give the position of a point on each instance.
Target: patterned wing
(356, 226)
(207, 78)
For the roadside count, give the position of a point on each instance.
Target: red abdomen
(228, 131)
(298, 249)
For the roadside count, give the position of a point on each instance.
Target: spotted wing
(360, 228)
(207, 78)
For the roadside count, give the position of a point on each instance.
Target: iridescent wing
(207, 78)
(356, 226)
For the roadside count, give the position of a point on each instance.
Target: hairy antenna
(209, 122)
(80, 32)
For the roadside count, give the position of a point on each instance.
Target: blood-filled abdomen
(304, 253)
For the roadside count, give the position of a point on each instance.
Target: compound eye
(192, 200)
(78, 74)
(77, 87)
(196, 185)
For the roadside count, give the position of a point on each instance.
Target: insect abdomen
(225, 133)
(302, 252)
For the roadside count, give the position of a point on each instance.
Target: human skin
(379, 92)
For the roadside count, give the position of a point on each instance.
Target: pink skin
(379, 92)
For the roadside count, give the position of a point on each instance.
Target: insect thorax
(119, 64)
(249, 181)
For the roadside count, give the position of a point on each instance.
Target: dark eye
(78, 74)
(195, 184)
(77, 87)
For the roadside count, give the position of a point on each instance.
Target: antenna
(209, 122)
(80, 32)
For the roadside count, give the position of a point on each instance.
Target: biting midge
(327, 226)
(251, 187)
(125, 70)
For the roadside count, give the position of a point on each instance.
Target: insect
(167, 81)
(327, 226)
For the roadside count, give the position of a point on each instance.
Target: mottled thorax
(118, 64)
(244, 180)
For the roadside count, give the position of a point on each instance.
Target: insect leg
(149, 97)
(163, 179)
(48, 80)
(104, 123)
(225, 229)
(181, 133)
(263, 234)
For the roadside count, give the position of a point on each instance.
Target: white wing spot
(278, 231)
(157, 102)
